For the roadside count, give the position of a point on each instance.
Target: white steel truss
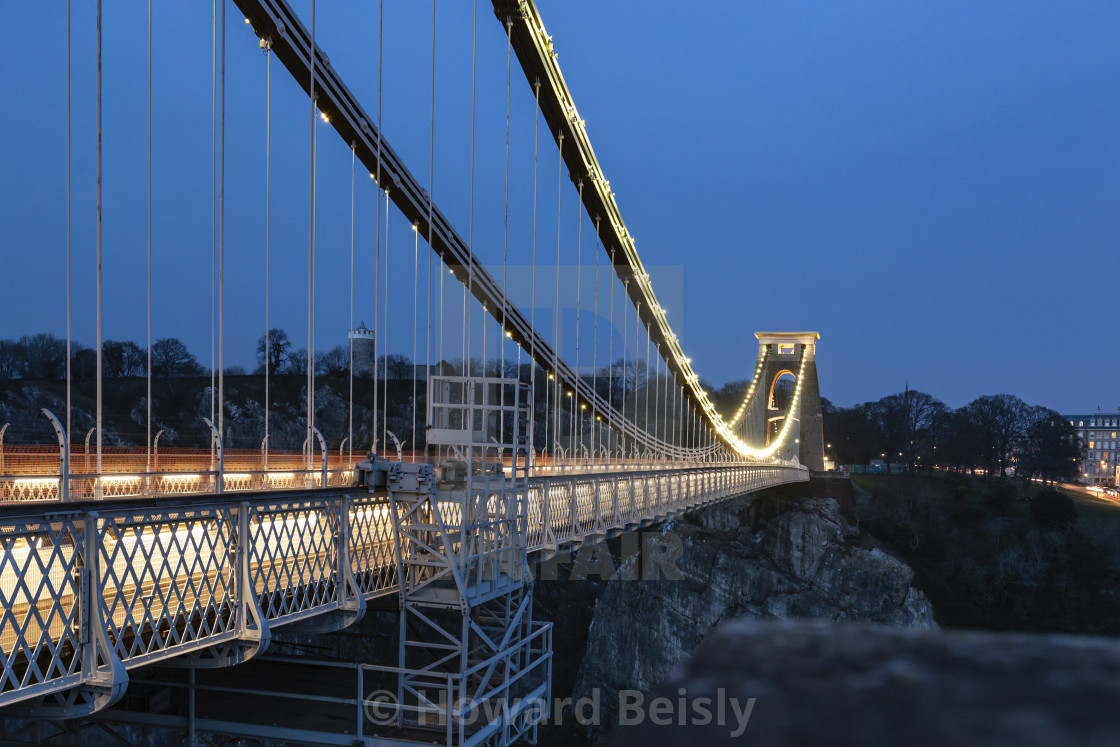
(467, 640)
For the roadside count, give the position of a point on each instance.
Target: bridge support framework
(473, 666)
(472, 663)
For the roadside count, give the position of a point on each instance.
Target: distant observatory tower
(362, 342)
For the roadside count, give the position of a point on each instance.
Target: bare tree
(11, 360)
(124, 358)
(170, 357)
(297, 361)
(44, 356)
(397, 366)
(334, 362)
(278, 346)
(1000, 421)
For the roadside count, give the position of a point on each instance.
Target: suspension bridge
(118, 558)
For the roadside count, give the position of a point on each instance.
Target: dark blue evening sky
(934, 186)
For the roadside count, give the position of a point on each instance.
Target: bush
(1053, 510)
(959, 486)
(999, 495)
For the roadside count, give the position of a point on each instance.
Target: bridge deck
(166, 570)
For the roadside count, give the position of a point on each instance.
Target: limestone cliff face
(761, 557)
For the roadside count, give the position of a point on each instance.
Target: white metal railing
(87, 486)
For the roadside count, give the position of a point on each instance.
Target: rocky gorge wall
(759, 556)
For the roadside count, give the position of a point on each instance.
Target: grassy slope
(1089, 507)
(991, 568)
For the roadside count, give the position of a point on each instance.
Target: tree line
(998, 434)
(42, 356)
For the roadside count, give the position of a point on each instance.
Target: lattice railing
(41, 570)
(293, 555)
(84, 487)
(168, 579)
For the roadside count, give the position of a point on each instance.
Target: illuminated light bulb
(324, 117)
(246, 20)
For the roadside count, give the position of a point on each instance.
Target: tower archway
(781, 355)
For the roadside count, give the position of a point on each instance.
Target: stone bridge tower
(782, 353)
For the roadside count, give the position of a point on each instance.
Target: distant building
(363, 342)
(1100, 440)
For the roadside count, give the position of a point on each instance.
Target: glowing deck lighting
(120, 478)
(28, 481)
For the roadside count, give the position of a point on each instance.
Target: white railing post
(216, 440)
(598, 506)
(63, 455)
(399, 445)
(323, 450)
(102, 670)
(573, 515)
